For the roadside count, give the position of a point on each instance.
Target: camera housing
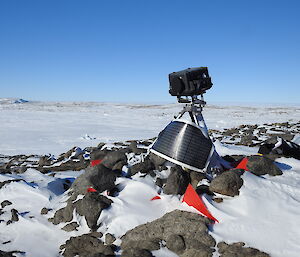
(189, 82)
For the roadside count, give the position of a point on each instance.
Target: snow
(134, 205)
(265, 215)
(49, 127)
(32, 228)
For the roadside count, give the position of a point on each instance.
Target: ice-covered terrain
(265, 215)
(42, 127)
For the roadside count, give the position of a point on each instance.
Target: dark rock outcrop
(86, 245)
(238, 250)
(175, 243)
(10, 254)
(260, 165)
(5, 203)
(183, 231)
(144, 167)
(177, 181)
(103, 179)
(70, 227)
(136, 252)
(227, 183)
(90, 206)
(113, 157)
(157, 161)
(135, 149)
(14, 216)
(196, 177)
(109, 239)
(6, 182)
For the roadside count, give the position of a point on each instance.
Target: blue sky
(123, 51)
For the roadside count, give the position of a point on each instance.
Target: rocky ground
(184, 233)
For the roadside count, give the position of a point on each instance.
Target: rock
(91, 206)
(157, 161)
(2, 184)
(175, 243)
(98, 177)
(85, 246)
(135, 149)
(113, 157)
(260, 165)
(62, 215)
(100, 145)
(45, 211)
(19, 169)
(6, 203)
(177, 181)
(14, 216)
(233, 158)
(70, 227)
(103, 179)
(266, 148)
(203, 189)
(98, 154)
(204, 252)
(149, 244)
(144, 167)
(230, 132)
(238, 250)
(133, 252)
(285, 136)
(109, 239)
(160, 182)
(146, 142)
(177, 228)
(10, 254)
(119, 166)
(247, 140)
(218, 200)
(196, 177)
(68, 154)
(227, 183)
(44, 161)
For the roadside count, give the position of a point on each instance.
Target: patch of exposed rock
(177, 181)
(182, 231)
(10, 254)
(227, 183)
(6, 182)
(260, 165)
(252, 135)
(5, 203)
(238, 250)
(87, 245)
(90, 204)
(144, 167)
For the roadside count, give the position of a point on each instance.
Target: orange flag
(243, 164)
(191, 198)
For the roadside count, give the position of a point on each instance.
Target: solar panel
(184, 144)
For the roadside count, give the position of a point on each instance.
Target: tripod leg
(201, 123)
(193, 118)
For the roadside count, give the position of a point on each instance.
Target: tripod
(194, 108)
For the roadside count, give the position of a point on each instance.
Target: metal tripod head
(194, 107)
